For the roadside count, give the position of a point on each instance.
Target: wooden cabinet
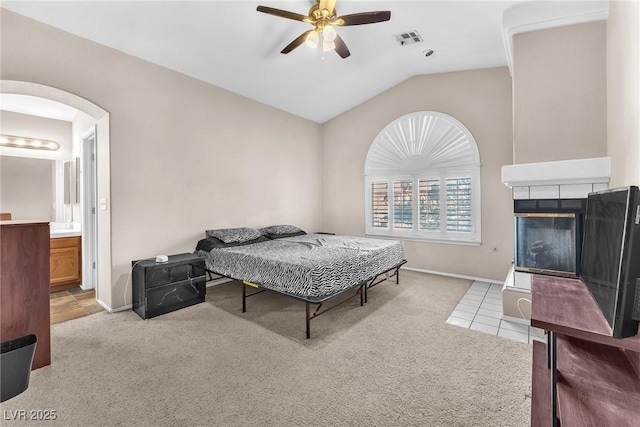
(66, 263)
(24, 285)
(585, 377)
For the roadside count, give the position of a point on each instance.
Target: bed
(309, 267)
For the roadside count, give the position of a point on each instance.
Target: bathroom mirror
(28, 188)
(71, 174)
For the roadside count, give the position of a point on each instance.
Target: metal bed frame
(361, 290)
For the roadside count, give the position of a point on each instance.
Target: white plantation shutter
(419, 142)
(380, 204)
(429, 197)
(423, 180)
(403, 204)
(459, 205)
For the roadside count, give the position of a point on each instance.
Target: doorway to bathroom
(91, 123)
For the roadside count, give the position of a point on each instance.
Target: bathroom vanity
(66, 257)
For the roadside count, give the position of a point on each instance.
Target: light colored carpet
(393, 362)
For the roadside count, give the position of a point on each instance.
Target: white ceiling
(231, 45)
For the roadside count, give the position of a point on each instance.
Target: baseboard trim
(114, 310)
(457, 276)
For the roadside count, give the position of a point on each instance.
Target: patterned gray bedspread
(313, 266)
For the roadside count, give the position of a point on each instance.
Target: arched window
(422, 179)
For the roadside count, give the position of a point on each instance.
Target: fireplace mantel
(579, 171)
(565, 179)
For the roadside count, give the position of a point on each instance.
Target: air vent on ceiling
(410, 37)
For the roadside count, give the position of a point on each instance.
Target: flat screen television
(611, 256)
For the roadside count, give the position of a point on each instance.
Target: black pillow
(280, 236)
(211, 243)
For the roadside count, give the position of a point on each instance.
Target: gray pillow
(233, 235)
(276, 230)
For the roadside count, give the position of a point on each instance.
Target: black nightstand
(159, 288)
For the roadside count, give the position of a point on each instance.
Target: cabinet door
(65, 266)
(24, 286)
(170, 273)
(173, 296)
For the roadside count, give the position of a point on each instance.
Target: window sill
(426, 240)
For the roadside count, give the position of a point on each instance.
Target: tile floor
(480, 309)
(71, 304)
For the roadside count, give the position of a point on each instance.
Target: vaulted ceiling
(231, 45)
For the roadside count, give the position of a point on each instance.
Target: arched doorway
(102, 235)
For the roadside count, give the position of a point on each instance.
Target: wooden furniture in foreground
(24, 285)
(66, 263)
(583, 375)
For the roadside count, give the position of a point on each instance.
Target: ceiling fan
(324, 18)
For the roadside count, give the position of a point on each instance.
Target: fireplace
(548, 236)
(549, 200)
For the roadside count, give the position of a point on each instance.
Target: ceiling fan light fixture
(312, 39)
(329, 33)
(323, 17)
(327, 45)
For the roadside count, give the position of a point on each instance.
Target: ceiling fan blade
(363, 18)
(283, 13)
(327, 4)
(297, 42)
(341, 48)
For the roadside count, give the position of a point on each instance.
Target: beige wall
(185, 155)
(559, 93)
(623, 92)
(481, 100)
(26, 189)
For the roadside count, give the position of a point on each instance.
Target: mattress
(311, 267)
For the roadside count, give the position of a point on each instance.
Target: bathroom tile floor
(480, 309)
(72, 304)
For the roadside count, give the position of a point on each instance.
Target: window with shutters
(422, 178)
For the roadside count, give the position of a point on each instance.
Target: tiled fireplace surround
(566, 179)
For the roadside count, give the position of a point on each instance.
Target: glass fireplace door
(546, 243)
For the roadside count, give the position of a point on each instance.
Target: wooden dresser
(586, 377)
(24, 284)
